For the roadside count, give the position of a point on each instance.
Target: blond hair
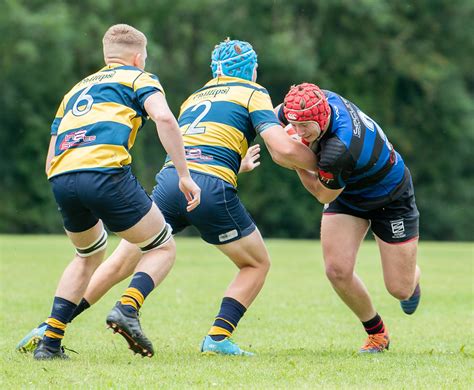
(123, 41)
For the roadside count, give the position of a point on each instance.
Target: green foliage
(407, 64)
(304, 336)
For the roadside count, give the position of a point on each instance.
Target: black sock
(226, 321)
(374, 326)
(83, 305)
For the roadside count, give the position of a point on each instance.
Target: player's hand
(191, 191)
(250, 161)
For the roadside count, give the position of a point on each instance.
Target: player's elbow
(164, 120)
(283, 156)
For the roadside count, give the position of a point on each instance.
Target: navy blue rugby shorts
(395, 223)
(220, 218)
(85, 197)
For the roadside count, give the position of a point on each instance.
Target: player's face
(310, 130)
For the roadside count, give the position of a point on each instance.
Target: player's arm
(50, 154)
(172, 140)
(313, 184)
(334, 168)
(287, 152)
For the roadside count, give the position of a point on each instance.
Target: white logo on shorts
(398, 228)
(227, 236)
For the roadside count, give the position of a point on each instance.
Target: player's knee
(400, 291)
(97, 246)
(338, 274)
(163, 239)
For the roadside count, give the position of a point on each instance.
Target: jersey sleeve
(57, 119)
(261, 111)
(145, 85)
(335, 164)
(281, 116)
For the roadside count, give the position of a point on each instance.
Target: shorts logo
(75, 138)
(398, 228)
(227, 236)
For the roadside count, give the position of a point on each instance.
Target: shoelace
(374, 340)
(63, 348)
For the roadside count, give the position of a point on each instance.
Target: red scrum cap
(306, 102)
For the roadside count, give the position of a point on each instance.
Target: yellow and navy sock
(374, 325)
(226, 321)
(60, 315)
(83, 305)
(134, 296)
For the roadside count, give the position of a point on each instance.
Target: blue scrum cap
(234, 58)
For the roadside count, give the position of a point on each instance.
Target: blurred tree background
(408, 64)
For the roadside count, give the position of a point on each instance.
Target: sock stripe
(376, 326)
(217, 331)
(228, 322)
(55, 323)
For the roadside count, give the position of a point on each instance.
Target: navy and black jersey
(356, 155)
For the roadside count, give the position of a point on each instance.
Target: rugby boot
(409, 305)
(128, 325)
(31, 340)
(43, 352)
(376, 343)
(223, 347)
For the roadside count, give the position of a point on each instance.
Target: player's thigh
(395, 227)
(170, 200)
(341, 236)
(247, 251)
(398, 263)
(87, 237)
(151, 224)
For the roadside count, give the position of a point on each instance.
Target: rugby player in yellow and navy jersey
(219, 122)
(88, 166)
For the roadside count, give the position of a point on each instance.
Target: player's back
(98, 120)
(220, 121)
(360, 157)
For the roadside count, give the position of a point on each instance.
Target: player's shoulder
(333, 149)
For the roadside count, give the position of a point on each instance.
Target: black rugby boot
(128, 326)
(43, 352)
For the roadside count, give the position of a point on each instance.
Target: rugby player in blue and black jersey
(362, 182)
(88, 166)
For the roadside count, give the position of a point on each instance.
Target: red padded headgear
(306, 102)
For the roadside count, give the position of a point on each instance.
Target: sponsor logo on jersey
(228, 236)
(98, 77)
(75, 138)
(356, 125)
(325, 177)
(398, 228)
(211, 93)
(196, 154)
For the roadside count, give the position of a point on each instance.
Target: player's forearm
(310, 182)
(295, 154)
(172, 141)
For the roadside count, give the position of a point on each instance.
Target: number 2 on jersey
(193, 127)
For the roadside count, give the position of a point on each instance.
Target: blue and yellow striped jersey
(220, 121)
(98, 120)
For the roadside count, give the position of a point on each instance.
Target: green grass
(303, 335)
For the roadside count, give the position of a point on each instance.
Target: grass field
(303, 335)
